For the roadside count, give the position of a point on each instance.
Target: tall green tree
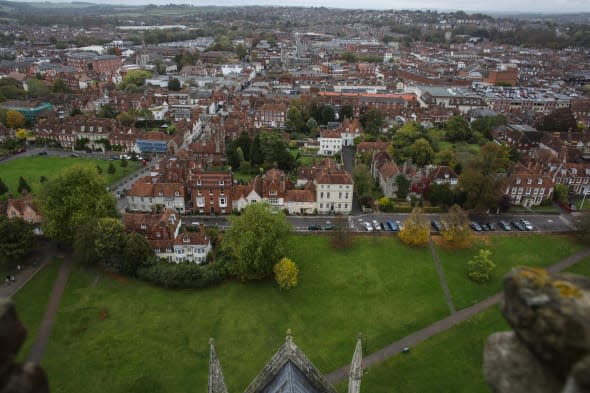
(457, 129)
(136, 254)
(3, 187)
(23, 186)
(372, 121)
(346, 112)
(421, 152)
(363, 183)
(174, 84)
(109, 243)
(255, 241)
(16, 240)
(403, 186)
(479, 179)
(73, 197)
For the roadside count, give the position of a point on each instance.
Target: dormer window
(529, 181)
(186, 239)
(143, 226)
(539, 181)
(158, 234)
(518, 180)
(198, 182)
(574, 171)
(160, 193)
(176, 193)
(221, 182)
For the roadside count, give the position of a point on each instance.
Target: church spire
(216, 382)
(356, 367)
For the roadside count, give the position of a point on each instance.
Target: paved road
(38, 348)
(396, 347)
(31, 267)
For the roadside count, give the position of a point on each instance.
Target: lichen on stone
(538, 277)
(567, 289)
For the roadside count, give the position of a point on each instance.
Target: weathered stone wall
(549, 348)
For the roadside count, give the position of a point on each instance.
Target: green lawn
(581, 268)
(32, 168)
(126, 336)
(507, 252)
(31, 300)
(450, 362)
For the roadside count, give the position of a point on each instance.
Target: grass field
(31, 300)
(450, 362)
(507, 252)
(126, 336)
(581, 268)
(32, 168)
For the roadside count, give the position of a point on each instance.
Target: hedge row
(182, 275)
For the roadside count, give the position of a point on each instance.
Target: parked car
(313, 227)
(505, 226)
(518, 225)
(74, 155)
(368, 226)
(400, 225)
(376, 225)
(328, 226)
(392, 226)
(485, 227)
(491, 225)
(436, 225)
(475, 226)
(528, 226)
(42, 153)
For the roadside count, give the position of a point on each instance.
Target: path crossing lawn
(507, 252)
(121, 335)
(33, 167)
(450, 362)
(582, 268)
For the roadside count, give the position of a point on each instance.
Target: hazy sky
(560, 6)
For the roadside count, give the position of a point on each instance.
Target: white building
(334, 191)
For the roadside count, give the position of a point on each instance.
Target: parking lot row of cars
(521, 225)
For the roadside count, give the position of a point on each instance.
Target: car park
(436, 225)
(527, 225)
(518, 225)
(505, 226)
(376, 225)
(392, 226)
(368, 226)
(475, 226)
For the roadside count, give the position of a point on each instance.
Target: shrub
(480, 268)
(182, 275)
(286, 273)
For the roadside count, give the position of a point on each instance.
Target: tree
(403, 186)
(16, 240)
(3, 187)
(294, 121)
(240, 51)
(481, 267)
(23, 186)
(372, 121)
(21, 133)
(73, 197)
(109, 243)
(346, 112)
(416, 230)
(107, 111)
(174, 84)
(349, 57)
(421, 152)
(560, 119)
(457, 129)
(560, 194)
(134, 80)
(363, 183)
(385, 204)
(255, 240)
(123, 162)
(327, 114)
(83, 243)
(457, 230)
(479, 180)
(136, 254)
(125, 118)
(59, 86)
(111, 169)
(440, 194)
(37, 88)
(286, 273)
(14, 119)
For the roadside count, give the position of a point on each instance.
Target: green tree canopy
(16, 240)
(72, 198)
(255, 241)
(174, 84)
(372, 121)
(23, 186)
(457, 129)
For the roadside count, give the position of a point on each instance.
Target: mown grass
(508, 251)
(33, 167)
(121, 335)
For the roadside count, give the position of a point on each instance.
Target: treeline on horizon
(545, 34)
